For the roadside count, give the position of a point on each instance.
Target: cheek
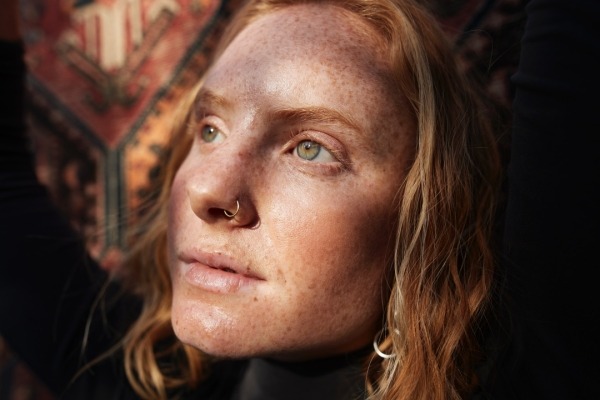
(336, 255)
(344, 227)
(176, 203)
(178, 211)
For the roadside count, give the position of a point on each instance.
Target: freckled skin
(318, 236)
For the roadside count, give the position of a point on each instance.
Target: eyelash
(301, 135)
(200, 122)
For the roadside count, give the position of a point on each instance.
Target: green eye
(308, 150)
(209, 133)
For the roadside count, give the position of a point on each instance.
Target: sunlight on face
(294, 121)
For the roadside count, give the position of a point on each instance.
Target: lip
(217, 272)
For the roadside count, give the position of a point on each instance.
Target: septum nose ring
(229, 214)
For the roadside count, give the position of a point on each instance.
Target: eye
(211, 134)
(311, 151)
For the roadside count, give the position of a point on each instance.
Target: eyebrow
(207, 97)
(313, 114)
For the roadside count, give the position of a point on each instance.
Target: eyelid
(203, 112)
(326, 141)
(203, 120)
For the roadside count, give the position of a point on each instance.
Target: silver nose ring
(229, 214)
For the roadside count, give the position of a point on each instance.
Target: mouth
(220, 261)
(226, 269)
(217, 272)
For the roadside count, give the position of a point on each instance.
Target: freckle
(255, 299)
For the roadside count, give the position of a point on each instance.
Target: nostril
(215, 212)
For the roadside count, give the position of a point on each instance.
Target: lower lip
(216, 280)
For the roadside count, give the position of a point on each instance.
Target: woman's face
(296, 122)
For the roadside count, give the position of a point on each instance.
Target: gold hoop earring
(232, 214)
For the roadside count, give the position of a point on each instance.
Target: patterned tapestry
(106, 75)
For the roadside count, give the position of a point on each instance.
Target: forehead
(312, 55)
(309, 29)
(305, 42)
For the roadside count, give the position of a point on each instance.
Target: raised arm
(553, 224)
(48, 283)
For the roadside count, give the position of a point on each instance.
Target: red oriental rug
(105, 76)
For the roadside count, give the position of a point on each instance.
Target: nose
(218, 188)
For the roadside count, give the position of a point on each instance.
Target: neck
(340, 377)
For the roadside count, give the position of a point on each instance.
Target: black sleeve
(48, 284)
(552, 225)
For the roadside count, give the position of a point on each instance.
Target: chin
(211, 330)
